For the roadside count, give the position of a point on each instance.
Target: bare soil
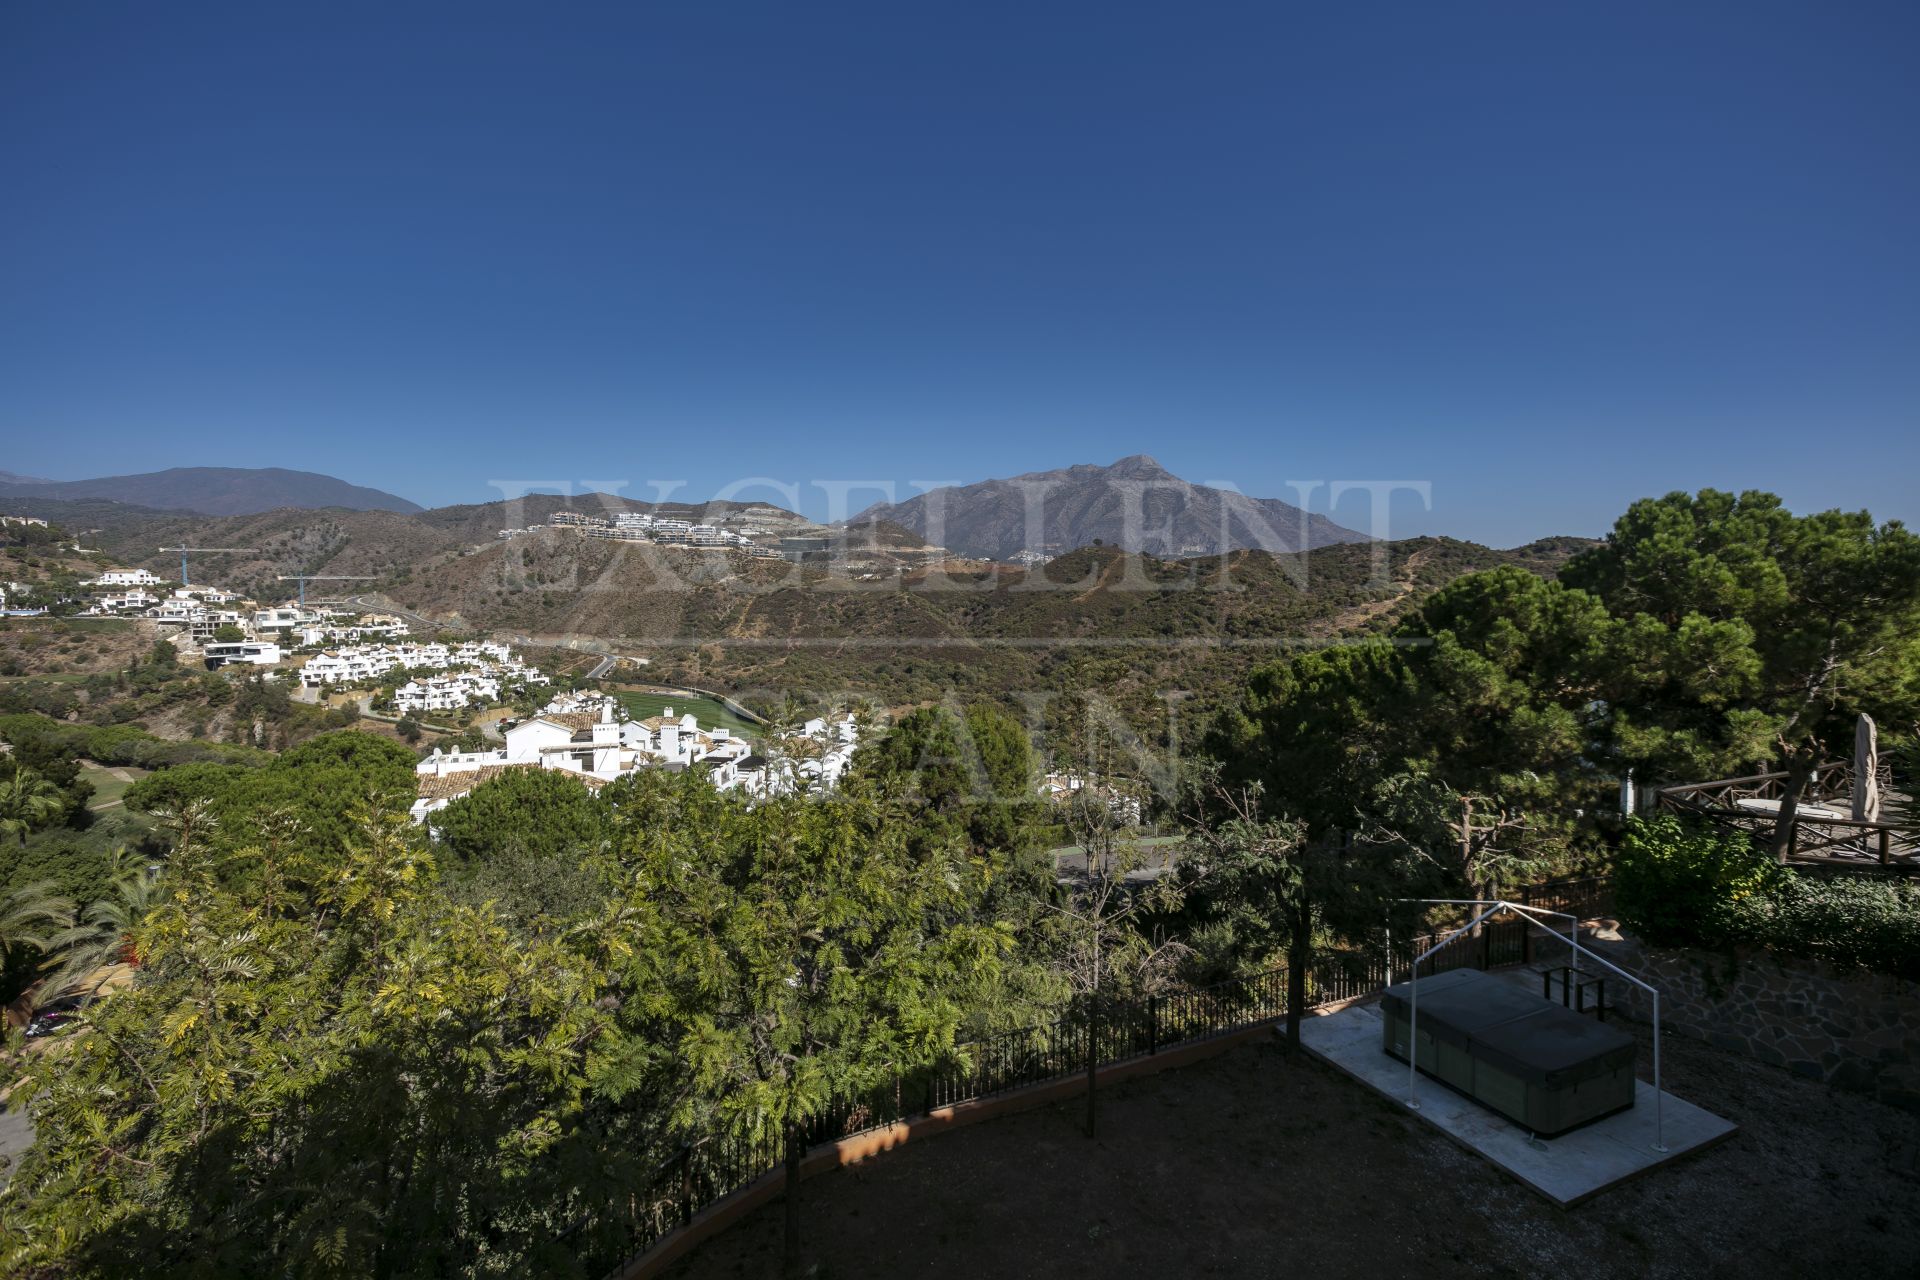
(1266, 1163)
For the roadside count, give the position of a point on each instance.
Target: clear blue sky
(1547, 257)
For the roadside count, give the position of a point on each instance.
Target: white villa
(588, 736)
(124, 602)
(125, 578)
(1059, 788)
(286, 616)
(222, 653)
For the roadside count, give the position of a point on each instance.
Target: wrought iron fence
(1584, 896)
(1114, 1031)
(1513, 938)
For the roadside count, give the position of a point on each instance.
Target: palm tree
(101, 933)
(26, 801)
(31, 916)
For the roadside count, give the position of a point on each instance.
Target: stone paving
(1568, 1169)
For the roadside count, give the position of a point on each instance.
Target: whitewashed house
(125, 578)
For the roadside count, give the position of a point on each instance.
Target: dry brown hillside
(1135, 627)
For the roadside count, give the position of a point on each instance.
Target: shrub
(1848, 922)
(1677, 883)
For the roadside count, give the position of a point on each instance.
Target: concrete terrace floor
(1262, 1162)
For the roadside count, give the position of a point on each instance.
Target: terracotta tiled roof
(451, 786)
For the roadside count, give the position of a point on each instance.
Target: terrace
(1262, 1162)
(1833, 823)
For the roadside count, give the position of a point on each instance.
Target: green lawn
(107, 787)
(709, 713)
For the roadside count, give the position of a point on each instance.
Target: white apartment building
(344, 666)
(445, 693)
(485, 658)
(378, 626)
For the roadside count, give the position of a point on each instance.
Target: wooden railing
(1812, 835)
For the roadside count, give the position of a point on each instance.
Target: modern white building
(124, 602)
(222, 653)
(125, 578)
(285, 617)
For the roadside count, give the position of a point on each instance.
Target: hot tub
(1535, 1062)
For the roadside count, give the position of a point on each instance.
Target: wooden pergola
(1824, 829)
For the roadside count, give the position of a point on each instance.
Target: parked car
(52, 1017)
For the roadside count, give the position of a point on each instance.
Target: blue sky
(1544, 257)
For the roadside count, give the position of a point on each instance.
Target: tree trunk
(1800, 766)
(1299, 960)
(792, 1197)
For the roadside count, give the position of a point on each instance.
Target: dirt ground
(1264, 1163)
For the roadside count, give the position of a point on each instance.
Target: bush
(1677, 883)
(1680, 884)
(1850, 923)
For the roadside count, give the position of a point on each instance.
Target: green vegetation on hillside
(353, 1049)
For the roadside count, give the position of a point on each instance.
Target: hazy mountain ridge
(1134, 504)
(214, 491)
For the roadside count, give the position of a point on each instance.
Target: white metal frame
(1534, 916)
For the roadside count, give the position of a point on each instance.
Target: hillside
(1135, 628)
(386, 545)
(216, 491)
(888, 618)
(1134, 504)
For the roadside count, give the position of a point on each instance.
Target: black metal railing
(1113, 1031)
(1586, 897)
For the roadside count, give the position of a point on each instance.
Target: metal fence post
(686, 1185)
(1153, 1024)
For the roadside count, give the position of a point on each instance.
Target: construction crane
(304, 578)
(204, 550)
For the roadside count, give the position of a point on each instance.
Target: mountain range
(1134, 504)
(213, 491)
(889, 616)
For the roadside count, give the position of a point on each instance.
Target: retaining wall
(1852, 1030)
